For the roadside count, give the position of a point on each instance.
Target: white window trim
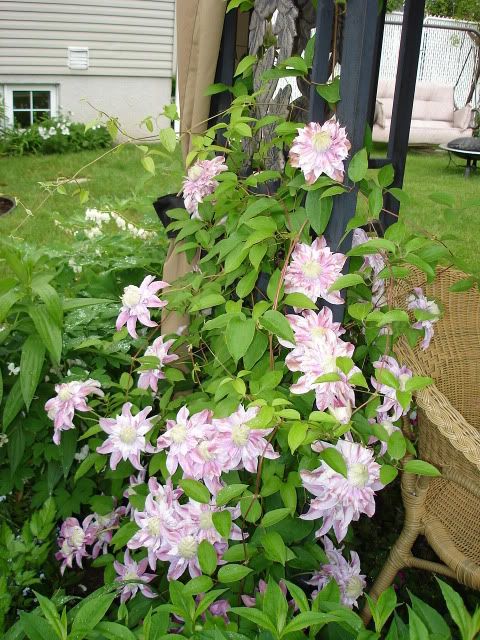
(8, 97)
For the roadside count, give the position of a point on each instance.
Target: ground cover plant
(207, 483)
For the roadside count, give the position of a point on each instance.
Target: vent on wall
(78, 58)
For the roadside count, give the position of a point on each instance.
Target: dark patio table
(468, 148)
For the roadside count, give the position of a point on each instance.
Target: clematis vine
(200, 182)
(320, 149)
(346, 574)
(390, 399)
(71, 397)
(159, 349)
(136, 302)
(340, 500)
(126, 436)
(73, 540)
(313, 269)
(417, 301)
(131, 570)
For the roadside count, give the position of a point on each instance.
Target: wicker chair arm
(450, 423)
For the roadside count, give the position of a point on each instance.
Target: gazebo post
(320, 67)
(403, 99)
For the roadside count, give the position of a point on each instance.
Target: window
(26, 105)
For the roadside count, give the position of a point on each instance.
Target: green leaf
(195, 490)
(360, 310)
(275, 322)
(374, 245)
(16, 447)
(275, 604)
(230, 492)
(296, 435)
(349, 280)
(330, 91)
(244, 65)
(274, 516)
(247, 283)
(375, 202)
(148, 164)
(201, 584)
(298, 595)
(207, 557)
(13, 404)
(357, 169)
(396, 445)
(308, 619)
(89, 614)
(421, 468)
(35, 627)
(386, 377)
(318, 210)
(274, 546)
(388, 474)
(68, 447)
(257, 617)
(239, 336)
(294, 62)
(207, 300)
(386, 175)
(233, 573)
(418, 631)
(334, 459)
(31, 363)
(168, 139)
(299, 300)
(418, 382)
(123, 535)
(430, 618)
(7, 301)
(48, 330)
(222, 521)
(51, 615)
(115, 631)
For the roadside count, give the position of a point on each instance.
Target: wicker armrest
(450, 423)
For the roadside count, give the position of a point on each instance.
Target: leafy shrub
(54, 135)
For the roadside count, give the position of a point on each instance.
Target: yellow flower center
(64, 394)
(403, 379)
(322, 140)
(354, 588)
(187, 547)
(240, 434)
(178, 433)
(358, 475)
(204, 451)
(128, 434)
(131, 574)
(131, 296)
(154, 526)
(311, 269)
(77, 537)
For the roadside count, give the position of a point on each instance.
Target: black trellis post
(403, 98)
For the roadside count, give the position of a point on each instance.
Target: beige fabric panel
(199, 32)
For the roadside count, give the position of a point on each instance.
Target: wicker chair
(446, 510)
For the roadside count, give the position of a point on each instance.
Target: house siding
(125, 37)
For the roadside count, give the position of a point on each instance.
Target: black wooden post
(403, 99)
(225, 65)
(377, 56)
(355, 78)
(320, 67)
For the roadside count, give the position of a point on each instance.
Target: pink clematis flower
(376, 263)
(200, 182)
(158, 348)
(132, 570)
(201, 516)
(182, 552)
(104, 527)
(320, 149)
(136, 302)
(181, 437)
(390, 401)
(312, 271)
(71, 397)
(243, 444)
(339, 500)
(73, 540)
(346, 574)
(417, 300)
(126, 436)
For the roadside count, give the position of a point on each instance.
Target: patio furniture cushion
(434, 119)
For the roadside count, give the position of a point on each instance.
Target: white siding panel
(124, 37)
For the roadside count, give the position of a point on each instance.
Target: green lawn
(113, 179)
(118, 180)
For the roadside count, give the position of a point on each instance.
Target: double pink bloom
(136, 302)
(71, 397)
(200, 182)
